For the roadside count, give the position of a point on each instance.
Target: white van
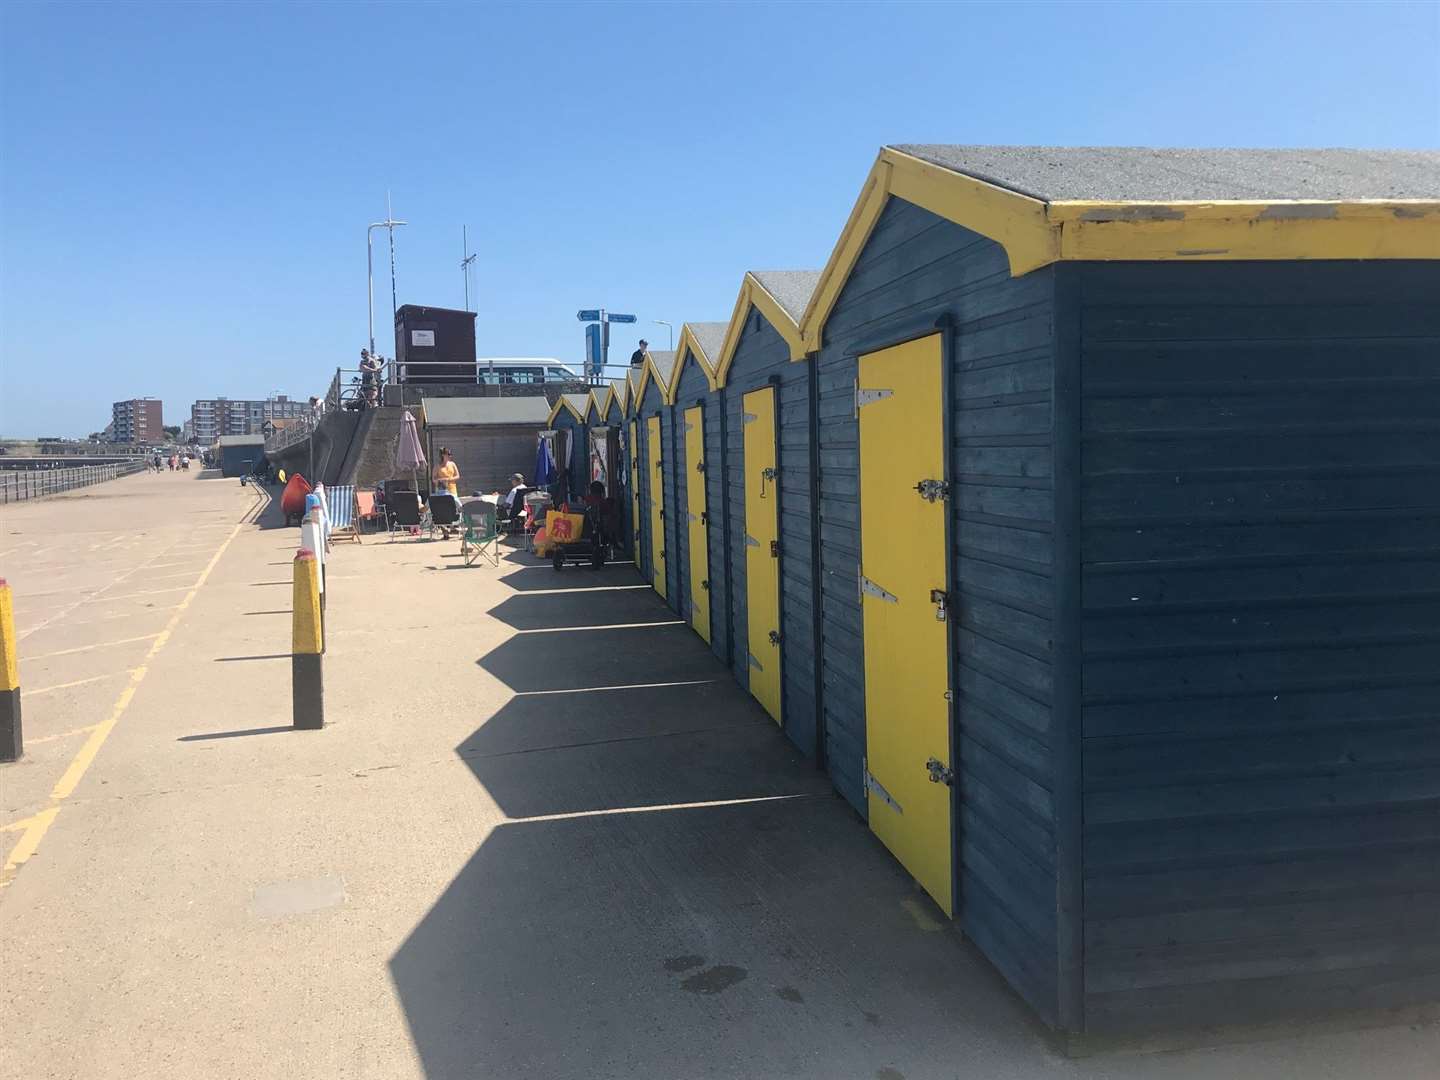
(523, 369)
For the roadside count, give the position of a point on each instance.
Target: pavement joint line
(607, 626)
(121, 615)
(581, 589)
(68, 685)
(66, 611)
(29, 841)
(649, 736)
(629, 686)
(64, 734)
(669, 806)
(132, 595)
(89, 648)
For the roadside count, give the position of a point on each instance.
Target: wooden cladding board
(1261, 634)
(915, 270)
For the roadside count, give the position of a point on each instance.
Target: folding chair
(365, 509)
(344, 523)
(444, 511)
(405, 513)
(481, 538)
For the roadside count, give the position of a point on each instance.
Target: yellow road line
(88, 648)
(35, 831)
(77, 682)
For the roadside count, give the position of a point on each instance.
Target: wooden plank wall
(760, 355)
(1261, 606)
(915, 269)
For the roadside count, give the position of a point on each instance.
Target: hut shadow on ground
(676, 892)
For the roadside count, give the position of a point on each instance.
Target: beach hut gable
(1051, 204)
(573, 404)
(780, 296)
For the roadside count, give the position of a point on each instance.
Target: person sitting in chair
(512, 503)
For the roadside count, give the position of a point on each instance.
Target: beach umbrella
(409, 457)
(544, 463)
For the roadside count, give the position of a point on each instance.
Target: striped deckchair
(344, 522)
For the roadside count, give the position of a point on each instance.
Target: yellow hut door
(762, 549)
(904, 606)
(695, 511)
(635, 492)
(657, 503)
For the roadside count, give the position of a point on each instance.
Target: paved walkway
(543, 835)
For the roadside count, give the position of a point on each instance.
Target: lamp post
(388, 223)
(662, 322)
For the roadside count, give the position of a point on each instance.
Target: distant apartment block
(213, 417)
(137, 421)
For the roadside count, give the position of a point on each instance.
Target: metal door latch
(767, 476)
(774, 549)
(941, 602)
(930, 490)
(774, 637)
(940, 773)
(700, 466)
(704, 517)
(705, 584)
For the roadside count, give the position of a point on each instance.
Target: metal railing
(23, 484)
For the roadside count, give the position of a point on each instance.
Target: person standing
(637, 358)
(446, 480)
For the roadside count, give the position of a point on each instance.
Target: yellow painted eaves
(562, 403)
(685, 349)
(599, 401)
(1035, 233)
(753, 294)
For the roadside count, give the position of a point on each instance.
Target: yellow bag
(563, 528)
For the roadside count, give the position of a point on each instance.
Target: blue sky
(185, 187)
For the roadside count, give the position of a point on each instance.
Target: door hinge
(755, 661)
(877, 789)
(750, 541)
(940, 773)
(930, 490)
(774, 549)
(869, 588)
(774, 637)
(749, 417)
(865, 397)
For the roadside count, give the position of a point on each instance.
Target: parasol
(409, 457)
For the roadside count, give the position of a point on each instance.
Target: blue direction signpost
(604, 318)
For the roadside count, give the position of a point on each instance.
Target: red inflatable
(292, 499)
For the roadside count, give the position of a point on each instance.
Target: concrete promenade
(543, 836)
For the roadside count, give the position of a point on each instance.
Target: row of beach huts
(1081, 519)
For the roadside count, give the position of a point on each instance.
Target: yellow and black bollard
(307, 643)
(12, 740)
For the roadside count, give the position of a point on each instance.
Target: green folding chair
(480, 538)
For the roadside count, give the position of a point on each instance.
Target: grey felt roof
(1142, 174)
(581, 402)
(469, 411)
(240, 440)
(619, 387)
(709, 336)
(664, 363)
(792, 289)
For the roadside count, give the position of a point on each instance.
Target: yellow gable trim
(686, 349)
(560, 403)
(599, 400)
(1035, 233)
(753, 294)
